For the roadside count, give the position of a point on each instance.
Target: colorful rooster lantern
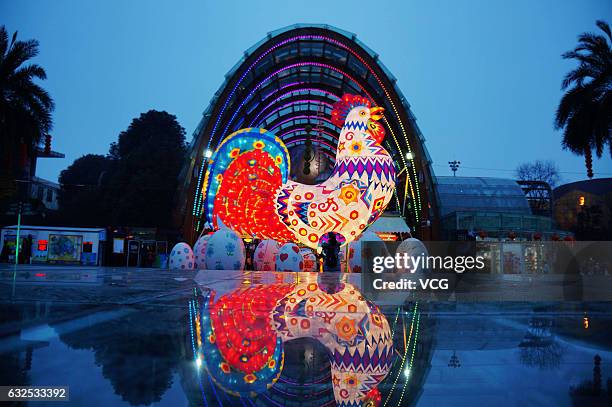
(310, 260)
(264, 257)
(247, 184)
(199, 251)
(289, 258)
(181, 257)
(225, 251)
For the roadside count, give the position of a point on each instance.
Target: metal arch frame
(404, 136)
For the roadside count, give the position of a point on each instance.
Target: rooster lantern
(247, 185)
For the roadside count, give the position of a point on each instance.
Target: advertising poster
(65, 248)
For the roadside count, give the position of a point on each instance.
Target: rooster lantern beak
(376, 113)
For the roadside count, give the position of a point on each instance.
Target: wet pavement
(125, 337)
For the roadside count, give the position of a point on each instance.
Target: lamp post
(454, 361)
(454, 166)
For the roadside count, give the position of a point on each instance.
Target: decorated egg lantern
(310, 260)
(289, 258)
(224, 251)
(181, 257)
(264, 257)
(199, 251)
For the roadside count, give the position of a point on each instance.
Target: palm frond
(3, 41)
(603, 26)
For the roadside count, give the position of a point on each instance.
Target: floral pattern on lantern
(225, 251)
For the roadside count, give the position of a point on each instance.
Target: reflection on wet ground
(126, 337)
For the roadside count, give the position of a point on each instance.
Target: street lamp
(454, 166)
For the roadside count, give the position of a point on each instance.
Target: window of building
(49, 195)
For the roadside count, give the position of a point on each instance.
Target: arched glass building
(287, 84)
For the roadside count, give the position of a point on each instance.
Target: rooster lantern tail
(243, 177)
(247, 186)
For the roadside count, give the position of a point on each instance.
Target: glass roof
(480, 194)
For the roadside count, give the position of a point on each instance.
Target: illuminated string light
(416, 335)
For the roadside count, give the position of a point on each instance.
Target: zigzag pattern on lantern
(355, 125)
(378, 362)
(366, 165)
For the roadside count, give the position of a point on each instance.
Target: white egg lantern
(413, 248)
(264, 257)
(199, 251)
(310, 260)
(224, 251)
(289, 258)
(181, 257)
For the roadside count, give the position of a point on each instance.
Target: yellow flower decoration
(259, 144)
(356, 147)
(349, 194)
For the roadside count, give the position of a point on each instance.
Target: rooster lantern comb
(247, 185)
(343, 107)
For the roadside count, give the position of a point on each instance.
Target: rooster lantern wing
(247, 185)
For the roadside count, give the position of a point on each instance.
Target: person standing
(331, 253)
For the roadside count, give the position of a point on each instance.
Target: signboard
(64, 248)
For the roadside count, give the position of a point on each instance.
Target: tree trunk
(588, 161)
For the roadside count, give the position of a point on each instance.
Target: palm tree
(585, 111)
(25, 107)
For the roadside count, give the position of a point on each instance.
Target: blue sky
(483, 77)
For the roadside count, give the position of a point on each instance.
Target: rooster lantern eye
(362, 113)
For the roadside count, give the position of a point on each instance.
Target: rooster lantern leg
(247, 184)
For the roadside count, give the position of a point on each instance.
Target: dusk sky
(483, 77)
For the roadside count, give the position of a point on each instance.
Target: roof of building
(51, 184)
(389, 224)
(480, 194)
(598, 186)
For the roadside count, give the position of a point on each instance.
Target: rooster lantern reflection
(247, 184)
(238, 339)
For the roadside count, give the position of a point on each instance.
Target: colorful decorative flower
(356, 147)
(349, 194)
(346, 329)
(234, 153)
